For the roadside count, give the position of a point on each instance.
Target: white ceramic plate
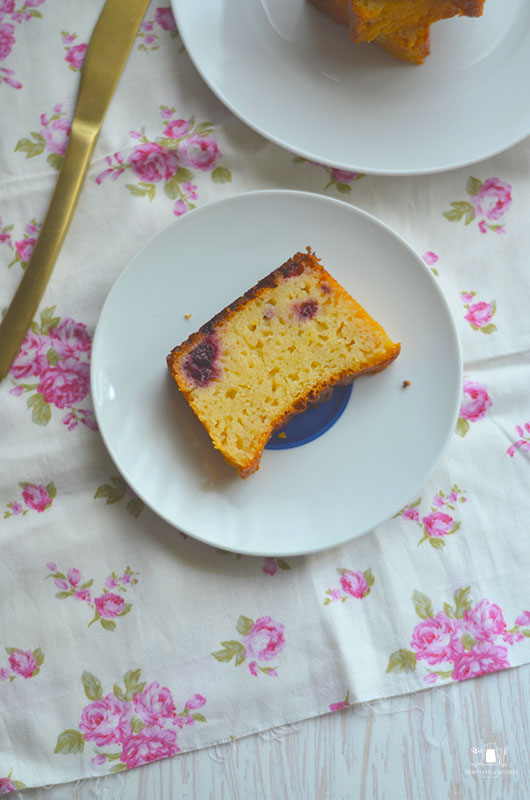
(294, 76)
(372, 461)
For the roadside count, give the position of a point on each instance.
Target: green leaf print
(135, 506)
(31, 149)
(462, 601)
(38, 655)
(119, 693)
(92, 686)
(344, 188)
(142, 190)
(473, 185)
(171, 188)
(41, 412)
(118, 768)
(221, 175)
(199, 717)
(231, 649)
(489, 328)
(467, 641)
(460, 209)
(282, 563)
(132, 682)
(183, 174)
(462, 426)
(55, 160)
(244, 625)
(369, 577)
(449, 610)
(402, 661)
(438, 544)
(53, 357)
(108, 624)
(48, 320)
(113, 491)
(422, 604)
(69, 741)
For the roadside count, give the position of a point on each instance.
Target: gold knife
(106, 55)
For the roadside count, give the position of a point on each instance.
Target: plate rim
(176, 6)
(295, 194)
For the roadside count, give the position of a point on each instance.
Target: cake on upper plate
(401, 27)
(271, 353)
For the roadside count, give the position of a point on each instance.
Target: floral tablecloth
(123, 641)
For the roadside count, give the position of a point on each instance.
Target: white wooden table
(436, 745)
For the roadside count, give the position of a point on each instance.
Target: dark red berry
(200, 364)
(308, 309)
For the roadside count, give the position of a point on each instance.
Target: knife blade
(105, 58)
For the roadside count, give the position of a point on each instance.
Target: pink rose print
(523, 442)
(340, 179)
(169, 160)
(342, 704)
(200, 152)
(166, 20)
(99, 721)
(75, 53)
(152, 163)
(437, 524)
(51, 138)
(479, 314)
(489, 201)
(430, 259)
(263, 640)
(148, 33)
(134, 724)
(483, 658)
(36, 497)
(154, 705)
(271, 565)
(53, 365)
(117, 490)
(22, 664)
(149, 744)
(484, 621)
(108, 605)
(5, 234)
(8, 15)
(437, 639)
(463, 638)
(475, 403)
(177, 128)
(353, 583)
(8, 785)
(65, 384)
(23, 247)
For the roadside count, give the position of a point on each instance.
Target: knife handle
(25, 303)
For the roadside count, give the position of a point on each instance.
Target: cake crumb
(187, 316)
(405, 384)
(282, 435)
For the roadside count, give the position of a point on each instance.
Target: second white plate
(294, 76)
(376, 456)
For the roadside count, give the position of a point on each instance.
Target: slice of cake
(271, 353)
(370, 19)
(401, 27)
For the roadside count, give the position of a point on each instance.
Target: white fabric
(305, 641)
